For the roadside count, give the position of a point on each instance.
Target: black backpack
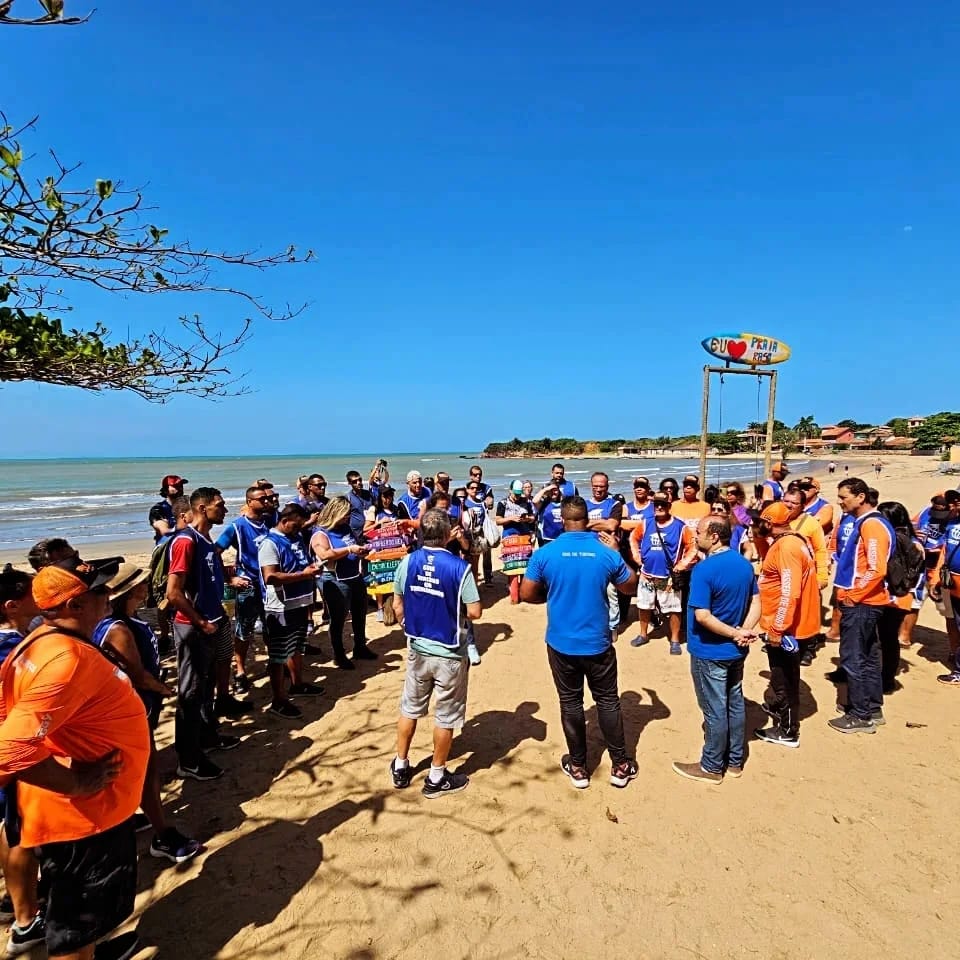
(906, 564)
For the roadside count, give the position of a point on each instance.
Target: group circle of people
(82, 679)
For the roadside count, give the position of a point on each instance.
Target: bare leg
(906, 628)
(406, 728)
(674, 627)
(295, 666)
(20, 870)
(834, 632)
(644, 618)
(278, 684)
(442, 741)
(150, 797)
(240, 649)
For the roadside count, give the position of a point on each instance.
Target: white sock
(401, 764)
(436, 773)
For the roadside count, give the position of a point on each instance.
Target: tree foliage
(51, 13)
(938, 430)
(58, 228)
(807, 427)
(899, 426)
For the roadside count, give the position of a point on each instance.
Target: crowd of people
(83, 642)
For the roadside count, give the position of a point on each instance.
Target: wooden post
(768, 447)
(704, 423)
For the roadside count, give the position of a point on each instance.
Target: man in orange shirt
(74, 733)
(862, 595)
(790, 615)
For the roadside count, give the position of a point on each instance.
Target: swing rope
(756, 445)
(719, 426)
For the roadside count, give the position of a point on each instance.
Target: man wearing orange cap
(790, 615)
(816, 506)
(74, 733)
(773, 485)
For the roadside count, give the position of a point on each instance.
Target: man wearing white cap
(416, 497)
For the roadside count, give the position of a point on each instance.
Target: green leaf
(104, 189)
(8, 157)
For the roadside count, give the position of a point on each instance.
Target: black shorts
(10, 814)
(93, 884)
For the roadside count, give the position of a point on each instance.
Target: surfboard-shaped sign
(753, 349)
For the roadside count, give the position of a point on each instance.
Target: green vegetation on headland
(932, 434)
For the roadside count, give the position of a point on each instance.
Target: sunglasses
(721, 512)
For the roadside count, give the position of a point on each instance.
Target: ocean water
(101, 500)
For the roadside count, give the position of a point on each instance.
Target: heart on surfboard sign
(752, 349)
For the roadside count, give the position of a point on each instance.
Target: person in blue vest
(637, 510)
(161, 516)
(202, 635)
(360, 501)
(482, 493)
(416, 495)
(558, 478)
(244, 535)
(571, 576)
(337, 548)
(287, 579)
(435, 595)
(604, 513)
(773, 485)
(548, 504)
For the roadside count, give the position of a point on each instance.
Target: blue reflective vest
(431, 596)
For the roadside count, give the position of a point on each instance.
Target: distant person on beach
(862, 594)
(660, 551)
(846, 470)
(202, 634)
(773, 485)
(244, 534)
(74, 734)
(571, 576)
(435, 594)
(877, 468)
(558, 477)
(790, 617)
(831, 468)
(724, 610)
(161, 516)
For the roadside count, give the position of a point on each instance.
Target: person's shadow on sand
(637, 714)
(490, 736)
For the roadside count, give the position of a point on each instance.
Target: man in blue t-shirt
(571, 575)
(723, 611)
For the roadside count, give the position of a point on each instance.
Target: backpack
(159, 569)
(905, 566)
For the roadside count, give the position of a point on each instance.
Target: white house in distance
(914, 422)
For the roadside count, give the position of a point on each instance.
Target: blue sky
(526, 216)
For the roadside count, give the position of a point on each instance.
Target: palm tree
(807, 427)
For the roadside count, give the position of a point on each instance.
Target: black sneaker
(401, 775)
(223, 742)
(344, 664)
(231, 707)
(851, 723)
(24, 939)
(878, 718)
(806, 658)
(364, 653)
(774, 734)
(119, 948)
(286, 710)
(173, 845)
(241, 683)
(6, 909)
(578, 775)
(448, 783)
(206, 769)
(836, 676)
(305, 690)
(623, 772)
(770, 712)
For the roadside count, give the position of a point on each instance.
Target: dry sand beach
(843, 847)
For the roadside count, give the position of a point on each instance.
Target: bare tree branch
(52, 15)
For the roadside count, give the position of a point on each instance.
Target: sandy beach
(837, 848)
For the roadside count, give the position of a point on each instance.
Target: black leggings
(888, 629)
(339, 596)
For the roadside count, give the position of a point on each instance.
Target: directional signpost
(753, 351)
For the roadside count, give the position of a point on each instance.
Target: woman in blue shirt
(341, 583)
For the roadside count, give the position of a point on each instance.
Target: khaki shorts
(442, 676)
(667, 599)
